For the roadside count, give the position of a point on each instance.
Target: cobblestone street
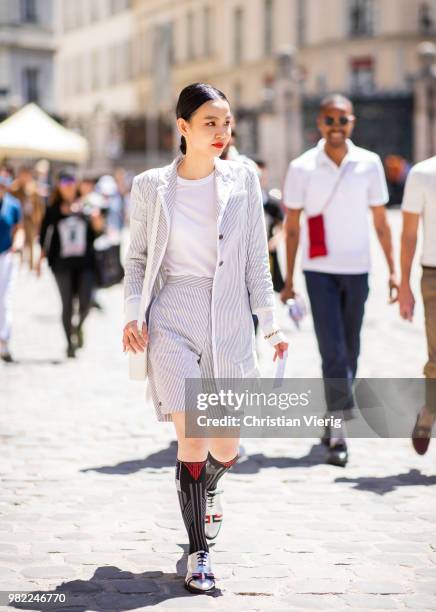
(88, 505)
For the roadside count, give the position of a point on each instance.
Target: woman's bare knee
(224, 449)
(189, 449)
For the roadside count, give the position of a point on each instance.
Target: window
(78, 17)
(165, 134)
(66, 15)
(301, 22)
(134, 135)
(129, 60)
(121, 55)
(362, 75)
(95, 10)
(117, 5)
(146, 51)
(190, 36)
(237, 95)
(321, 84)
(238, 35)
(28, 11)
(113, 65)
(103, 66)
(425, 19)
(206, 32)
(79, 74)
(96, 71)
(31, 85)
(268, 26)
(361, 17)
(170, 42)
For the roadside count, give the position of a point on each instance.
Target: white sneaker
(214, 514)
(199, 577)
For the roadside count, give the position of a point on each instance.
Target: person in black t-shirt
(66, 238)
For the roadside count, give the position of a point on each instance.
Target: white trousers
(7, 267)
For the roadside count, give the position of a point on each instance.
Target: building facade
(122, 63)
(366, 49)
(27, 46)
(94, 89)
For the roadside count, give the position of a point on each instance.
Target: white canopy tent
(31, 133)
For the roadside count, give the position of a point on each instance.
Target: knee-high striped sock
(216, 469)
(191, 490)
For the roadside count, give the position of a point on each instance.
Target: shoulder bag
(315, 224)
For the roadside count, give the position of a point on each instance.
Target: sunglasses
(342, 120)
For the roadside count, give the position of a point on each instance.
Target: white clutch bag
(138, 365)
(138, 361)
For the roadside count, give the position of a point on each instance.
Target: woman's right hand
(133, 340)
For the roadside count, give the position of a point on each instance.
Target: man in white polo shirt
(336, 183)
(420, 201)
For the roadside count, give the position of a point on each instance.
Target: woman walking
(66, 239)
(209, 271)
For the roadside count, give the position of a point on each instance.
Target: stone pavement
(88, 505)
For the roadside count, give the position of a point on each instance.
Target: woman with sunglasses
(209, 271)
(66, 239)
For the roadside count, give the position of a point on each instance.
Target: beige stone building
(367, 49)
(94, 87)
(130, 60)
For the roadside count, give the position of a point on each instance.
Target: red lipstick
(218, 145)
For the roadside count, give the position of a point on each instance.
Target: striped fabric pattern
(242, 281)
(180, 343)
(191, 491)
(216, 469)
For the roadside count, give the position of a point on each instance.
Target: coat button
(220, 236)
(220, 263)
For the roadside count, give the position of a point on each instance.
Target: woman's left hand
(280, 348)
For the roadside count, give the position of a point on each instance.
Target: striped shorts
(180, 341)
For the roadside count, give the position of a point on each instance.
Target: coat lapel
(167, 188)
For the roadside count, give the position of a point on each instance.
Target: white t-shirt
(309, 182)
(192, 243)
(420, 198)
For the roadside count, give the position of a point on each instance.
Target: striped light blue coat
(242, 281)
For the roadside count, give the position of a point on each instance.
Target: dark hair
(89, 177)
(8, 169)
(260, 162)
(66, 175)
(334, 100)
(191, 98)
(56, 198)
(25, 168)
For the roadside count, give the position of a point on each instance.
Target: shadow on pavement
(249, 464)
(36, 361)
(111, 588)
(387, 484)
(252, 464)
(162, 459)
